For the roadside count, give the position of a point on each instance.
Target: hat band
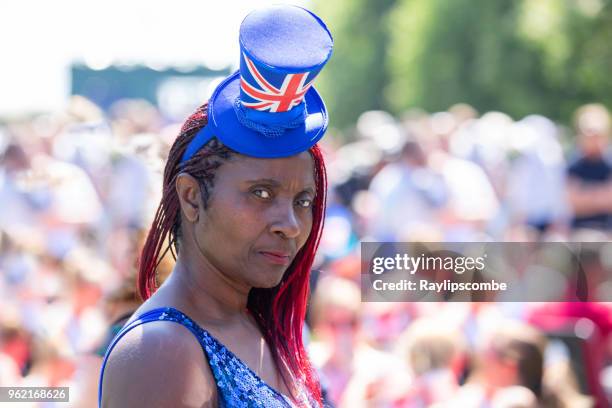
(270, 124)
(200, 139)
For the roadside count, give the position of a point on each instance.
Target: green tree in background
(353, 80)
(461, 51)
(519, 57)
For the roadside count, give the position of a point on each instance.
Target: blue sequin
(237, 384)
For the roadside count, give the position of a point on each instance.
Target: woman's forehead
(286, 170)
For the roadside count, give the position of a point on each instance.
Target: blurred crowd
(78, 189)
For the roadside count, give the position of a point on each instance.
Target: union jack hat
(269, 108)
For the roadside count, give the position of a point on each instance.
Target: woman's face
(258, 217)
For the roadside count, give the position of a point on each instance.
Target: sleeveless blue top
(237, 384)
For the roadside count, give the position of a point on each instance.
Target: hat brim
(249, 142)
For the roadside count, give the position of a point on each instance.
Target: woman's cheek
(247, 217)
(306, 228)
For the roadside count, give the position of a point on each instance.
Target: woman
(242, 207)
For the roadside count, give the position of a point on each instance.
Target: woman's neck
(210, 293)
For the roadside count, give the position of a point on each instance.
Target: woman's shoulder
(158, 364)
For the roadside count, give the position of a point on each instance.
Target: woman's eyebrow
(269, 181)
(276, 183)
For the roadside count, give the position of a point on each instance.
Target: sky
(40, 39)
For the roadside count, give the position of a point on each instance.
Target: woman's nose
(286, 222)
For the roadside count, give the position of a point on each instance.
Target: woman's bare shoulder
(158, 364)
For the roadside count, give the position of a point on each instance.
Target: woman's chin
(269, 281)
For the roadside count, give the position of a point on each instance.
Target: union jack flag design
(274, 92)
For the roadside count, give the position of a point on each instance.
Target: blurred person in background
(472, 201)
(134, 117)
(379, 376)
(383, 322)
(535, 190)
(589, 174)
(408, 195)
(49, 365)
(335, 321)
(585, 327)
(510, 356)
(18, 205)
(483, 141)
(435, 355)
(15, 347)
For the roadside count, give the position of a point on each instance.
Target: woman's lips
(276, 258)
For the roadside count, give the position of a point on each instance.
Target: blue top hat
(269, 108)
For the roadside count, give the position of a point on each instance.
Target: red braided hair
(279, 311)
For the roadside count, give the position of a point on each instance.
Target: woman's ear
(190, 198)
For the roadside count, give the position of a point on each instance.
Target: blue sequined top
(237, 384)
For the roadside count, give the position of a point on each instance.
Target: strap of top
(149, 316)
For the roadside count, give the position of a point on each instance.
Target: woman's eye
(304, 203)
(261, 193)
